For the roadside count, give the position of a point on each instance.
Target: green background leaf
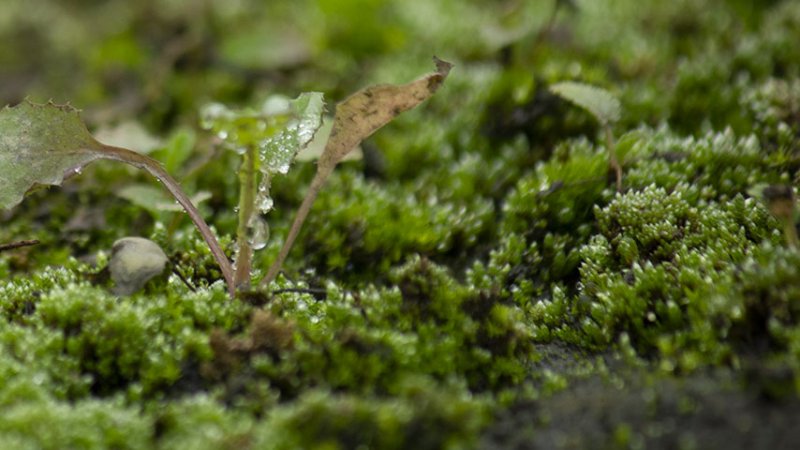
(603, 106)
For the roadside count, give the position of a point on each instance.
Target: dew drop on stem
(258, 232)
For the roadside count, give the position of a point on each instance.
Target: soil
(704, 411)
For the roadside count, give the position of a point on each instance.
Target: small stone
(134, 262)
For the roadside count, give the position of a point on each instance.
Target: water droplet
(259, 233)
(265, 203)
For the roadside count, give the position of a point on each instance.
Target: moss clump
(650, 271)
(712, 167)
(421, 415)
(428, 325)
(86, 341)
(362, 227)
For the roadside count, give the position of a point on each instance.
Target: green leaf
(279, 152)
(317, 145)
(177, 149)
(41, 144)
(156, 200)
(599, 102)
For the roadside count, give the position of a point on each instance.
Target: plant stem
(18, 244)
(154, 168)
(247, 198)
(316, 184)
(613, 162)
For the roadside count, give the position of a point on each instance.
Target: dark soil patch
(702, 412)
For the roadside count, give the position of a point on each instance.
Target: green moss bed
(474, 280)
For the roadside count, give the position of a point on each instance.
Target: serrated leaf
(40, 144)
(599, 102)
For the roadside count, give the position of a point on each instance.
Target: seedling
(268, 141)
(603, 106)
(357, 117)
(43, 144)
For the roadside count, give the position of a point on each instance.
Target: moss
(92, 424)
(436, 276)
(546, 218)
(88, 341)
(422, 416)
(359, 226)
(429, 325)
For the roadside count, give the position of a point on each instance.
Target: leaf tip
(436, 79)
(442, 67)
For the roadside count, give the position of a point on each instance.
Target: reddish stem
(19, 244)
(154, 168)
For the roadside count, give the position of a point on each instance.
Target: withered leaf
(356, 118)
(369, 109)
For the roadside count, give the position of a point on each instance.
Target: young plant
(43, 144)
(603, 106)
(356, 118)
(268, 141)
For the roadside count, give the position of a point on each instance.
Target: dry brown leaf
(357, 117)
(366, 111)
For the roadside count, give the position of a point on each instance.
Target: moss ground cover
(474, 280)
